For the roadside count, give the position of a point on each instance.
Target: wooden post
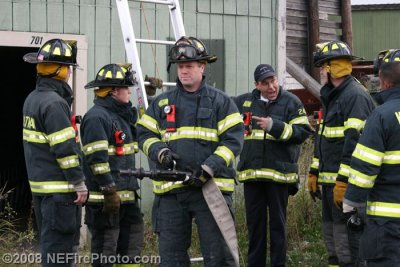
(303, 77)
(347, 34)
(313, 32)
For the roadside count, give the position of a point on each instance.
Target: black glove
(167, 159)
(198, 179)
(155, 83)
(293, 188)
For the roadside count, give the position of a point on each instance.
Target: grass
(305, 245)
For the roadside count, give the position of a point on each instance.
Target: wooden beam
(303, 78)
(347, 34)
(314, 38)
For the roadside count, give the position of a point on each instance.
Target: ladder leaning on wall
(211, 192)
(130, 42)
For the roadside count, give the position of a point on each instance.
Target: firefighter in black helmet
(374, 172)
(52, 155)
(109, 144)
(194, 128)
(346, 105)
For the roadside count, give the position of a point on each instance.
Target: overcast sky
(374, 2)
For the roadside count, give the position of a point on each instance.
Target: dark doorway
(18, 80)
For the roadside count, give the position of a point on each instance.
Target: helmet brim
(32, 58)
(321, 62)
(97, 84)
(209, 59)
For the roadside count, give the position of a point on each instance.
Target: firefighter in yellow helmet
(52, 155)
(374, 173)
(346, 105)
(108, 134)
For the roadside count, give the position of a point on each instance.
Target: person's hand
(198, 179)
(167, 159)
(313, 188)
(112, 200)
(264, 123)
(338, 193)
(155, 83)
(81, 193)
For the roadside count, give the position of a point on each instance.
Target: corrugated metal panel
(374, 31)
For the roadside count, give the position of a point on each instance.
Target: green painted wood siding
(374, 31)
(247, 26)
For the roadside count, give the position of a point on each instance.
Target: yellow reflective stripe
(61, 136)
(68, 162)
(344, 170)
(354, 123)
(225, 153)
(267, 174)
(247, 104)
(333, 265)
(147, 144)
(327, 177)
(51, 187)
(384, 209)
(299, 120)
(258, 134)
(392, 157)
(34, 136)
(160, 187)
(315, 163)
(95, 146)
(149, 123)
(206, 134)
(225, 184)
(163, 102)
(332, 132)
(127, 149)
(287, 132)
(100, 168)
(229, 121)
(125, 196)
(360, 179)
(369, 155)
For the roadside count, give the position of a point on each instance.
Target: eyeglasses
(186, 51)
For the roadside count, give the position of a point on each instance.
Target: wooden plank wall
(297, 31)
(247, 26)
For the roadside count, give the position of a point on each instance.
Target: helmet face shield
(183, 50)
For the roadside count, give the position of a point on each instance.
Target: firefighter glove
(338, 193)
(112, 200)
(313, 188)
(155, 83)
(199, 178)
(167, 158)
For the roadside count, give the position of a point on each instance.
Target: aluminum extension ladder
(130, 42)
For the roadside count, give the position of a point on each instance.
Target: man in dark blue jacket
(275, 126)
(194, 128)
(374, 173)
(52, 153)
(109, 143)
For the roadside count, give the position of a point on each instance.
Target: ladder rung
(164, 84)
(163, 2)
(147, 41)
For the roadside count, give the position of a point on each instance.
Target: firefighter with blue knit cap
(52, 154)
(374, 173)
(194, 128)
(346, 105)
(109, 144)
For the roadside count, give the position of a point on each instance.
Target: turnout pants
(265, 199)
(116, 238)
(342, 245)
(59, 221)
(172, 221)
